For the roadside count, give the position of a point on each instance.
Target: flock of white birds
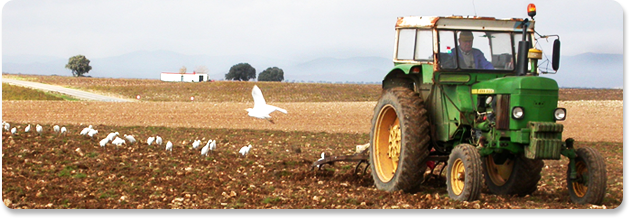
(260, 110)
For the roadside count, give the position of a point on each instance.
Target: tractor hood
(515, 85)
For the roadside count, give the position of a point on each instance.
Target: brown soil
(71, 171)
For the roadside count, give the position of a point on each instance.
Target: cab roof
(461, 22)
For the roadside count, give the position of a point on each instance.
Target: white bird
(322, 157)
(196, 144)
(158, 140)
(112, 135)
(103, 142)
(63, 130)
(13, 131)
(7, 126)
(361, 148)
(150, 140)
(55, 129)
(213, 145)
(245, 150)
(39, 129)
(86, 130)
(92, 132)
(129, 138)
(205, 149)
(118, 141)
(169, 146)
(28, 128)
(260, 109)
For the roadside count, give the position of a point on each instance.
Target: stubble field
(72, 171)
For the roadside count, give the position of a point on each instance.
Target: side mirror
(555, 61)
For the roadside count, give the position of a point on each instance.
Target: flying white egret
(260, 109)
(169, 146)
(196, 144)
(28, 128)
(63, 130)
(39, 129)
(245, 150)
(13, 131)
(213, 145)
(56, 129)
(158, 140)
(150, 140)
(205, 149)
(86, 130)
(129, 138)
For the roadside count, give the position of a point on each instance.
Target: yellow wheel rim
(499, 173)
(387, 143)
(457, 177)
(578, 186)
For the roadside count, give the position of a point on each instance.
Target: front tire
(465, 173)
(507, 174)
(399, 140)
(591, 182)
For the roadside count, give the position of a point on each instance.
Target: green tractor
(466, 91)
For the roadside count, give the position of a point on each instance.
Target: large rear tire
(511, 174)
(591, 182)
(399, 141)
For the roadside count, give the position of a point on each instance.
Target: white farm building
(184, 77)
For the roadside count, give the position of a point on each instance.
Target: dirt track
(587, 120)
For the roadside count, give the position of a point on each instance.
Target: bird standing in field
(322, 157)
(63, 131)
(39, 129)
(129, 138)
(169, 146)
(196, 144)
(213, 145)
(245, 150)
(112, 135)
(205, 149)
(86, 130)
(92, 132)
(103, 142)
(150, 140)
(28, 128)
(13, 131)
(56, 129)
(158, 140)
(260, 109)
(118, 142)
(7, 127)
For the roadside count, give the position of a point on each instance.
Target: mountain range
(588, 70)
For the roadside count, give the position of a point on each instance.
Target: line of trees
(245, 72)
(80, 65)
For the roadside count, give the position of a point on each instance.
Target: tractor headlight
(517, 113)
(560, 114)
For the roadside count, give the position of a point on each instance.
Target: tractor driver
(470, 58)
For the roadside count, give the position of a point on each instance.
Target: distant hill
(588, 70)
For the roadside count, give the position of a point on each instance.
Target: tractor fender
(402, 75)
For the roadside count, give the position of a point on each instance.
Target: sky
(283, 29)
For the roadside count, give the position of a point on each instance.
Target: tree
(271, 74)
(202, 69)
(79, 65)
(241, 72)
